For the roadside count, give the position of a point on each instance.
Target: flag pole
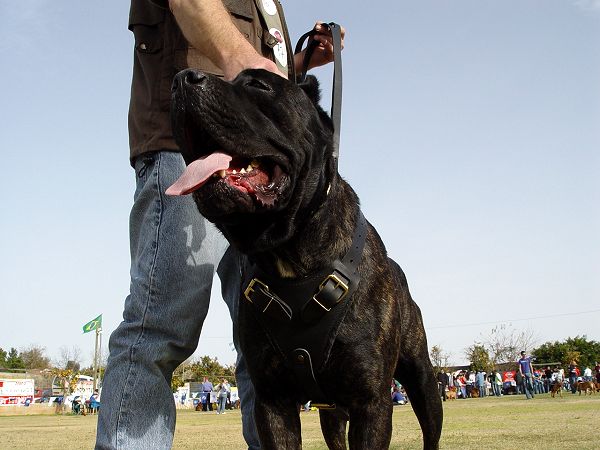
(96, 359)
(99, 355)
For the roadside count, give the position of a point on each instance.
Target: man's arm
(207, 26)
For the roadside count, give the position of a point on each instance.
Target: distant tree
(479, 357)
(585, 352)
(13, 360)
(3, 355)
(505, 344)
(209, 367)
(176, 382)
(439, 358)
(70, 358)
(34, 357)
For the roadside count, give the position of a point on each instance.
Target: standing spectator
(526, 371)
(442, 380)
(587, 374)
(223, 391)
(597, 369)
(573, 376)
(548, 381)
(519, 382)
(207, 388)
(470, 383)
(461, 385)
(538, 383)
(480, 383)
(497, 383)
(560, 375)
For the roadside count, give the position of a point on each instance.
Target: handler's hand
(323, 53)
(249, 60)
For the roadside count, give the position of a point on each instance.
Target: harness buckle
(264, 299)
(250, 288)
(338, 284)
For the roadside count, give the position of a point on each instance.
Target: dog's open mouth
(260, 179)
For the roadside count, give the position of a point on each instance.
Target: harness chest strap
(302, 316)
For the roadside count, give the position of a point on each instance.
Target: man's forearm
(207, 26)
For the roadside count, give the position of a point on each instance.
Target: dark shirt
(442, 378)
(161, 51)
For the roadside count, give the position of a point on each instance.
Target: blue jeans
(174, 254)
(481, 389)
(496, 389)
(222, 403)
(573, 384)
(528, 385)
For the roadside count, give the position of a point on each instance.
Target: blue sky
(470, 131)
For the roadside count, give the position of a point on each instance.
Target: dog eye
(254, 83)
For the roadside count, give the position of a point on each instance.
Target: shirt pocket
(147, 22)
(144, 21)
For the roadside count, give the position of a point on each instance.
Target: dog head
(258, 150)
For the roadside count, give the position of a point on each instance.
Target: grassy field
(508, 422)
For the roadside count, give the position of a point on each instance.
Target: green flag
(93, 324)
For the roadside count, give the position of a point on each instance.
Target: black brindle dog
(321, 318)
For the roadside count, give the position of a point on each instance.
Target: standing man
(223, 392)
(480, 383)
(497, 383)
(573, 376)
(442, 380)
(526, 372)
(207, 388)
(174, 250)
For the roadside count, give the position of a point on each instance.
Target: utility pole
(97, 356)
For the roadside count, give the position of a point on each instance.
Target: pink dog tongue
(196, 174)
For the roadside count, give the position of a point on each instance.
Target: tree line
(68, 365)
(503, 346)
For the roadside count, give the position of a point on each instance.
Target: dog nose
(187, 77)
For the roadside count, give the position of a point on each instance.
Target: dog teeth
(234, 171)
(222, 173)
(254, 163)
(249, 168)
(243, 170)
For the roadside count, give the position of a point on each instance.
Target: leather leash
(336, 95)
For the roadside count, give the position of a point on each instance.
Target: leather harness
(302, 316)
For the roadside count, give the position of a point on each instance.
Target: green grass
(509, 422)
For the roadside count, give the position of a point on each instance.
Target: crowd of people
(209, 397)
(524, 379)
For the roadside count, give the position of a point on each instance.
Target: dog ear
(311, 87)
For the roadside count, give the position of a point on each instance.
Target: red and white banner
(16, 392)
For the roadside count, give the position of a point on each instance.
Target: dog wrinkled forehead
(262, 82)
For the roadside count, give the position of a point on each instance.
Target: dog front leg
(371, 424)
(421, 386)
(278, 424)
(334, 429)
